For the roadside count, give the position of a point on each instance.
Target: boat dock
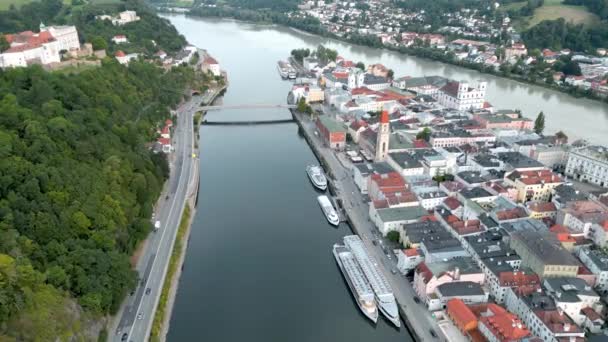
(355, 211)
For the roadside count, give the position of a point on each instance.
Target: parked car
(433, 333)
(124, 337)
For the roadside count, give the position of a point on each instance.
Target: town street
(137, 313)
(357, 209)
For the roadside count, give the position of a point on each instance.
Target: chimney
(457, 273)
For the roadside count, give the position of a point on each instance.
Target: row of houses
(500, 243)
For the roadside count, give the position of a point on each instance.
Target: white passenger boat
(328, 210)
(358, 284)
(284, 69)
(317, 177)
(382, 289)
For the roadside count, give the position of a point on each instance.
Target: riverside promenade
(416, 316)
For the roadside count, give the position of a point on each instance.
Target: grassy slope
(554, 9)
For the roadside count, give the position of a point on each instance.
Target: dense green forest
(558, 34)
(141, 34)
(77, 180)
(309, 24)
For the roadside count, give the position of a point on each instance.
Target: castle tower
(383, 137)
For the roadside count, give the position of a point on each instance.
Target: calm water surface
(259, 265)
(259, 46)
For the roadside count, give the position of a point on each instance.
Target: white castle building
(28, 48)
(461, 96)
(121, 19)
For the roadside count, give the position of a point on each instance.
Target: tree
(572, 68)
(393, 236)
(99, 43)
(539, 123)
(425, 134)
(360, 65)
(561, 138)
(4, 45)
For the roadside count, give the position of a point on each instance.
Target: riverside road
(357, 210)
(137, 313)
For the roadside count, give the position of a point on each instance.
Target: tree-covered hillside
(77, 184)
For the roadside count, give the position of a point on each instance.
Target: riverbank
(423, 53)
(164, 311)
(356, 208)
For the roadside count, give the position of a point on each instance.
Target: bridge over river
(247, 106)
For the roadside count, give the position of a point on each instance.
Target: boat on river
(317, 177)
(328, 210)
(382, 289)
(358, 284)
(286, 70)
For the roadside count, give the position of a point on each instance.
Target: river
(259, 265)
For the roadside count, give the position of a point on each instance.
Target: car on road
(432, 332)
(140, 315)
(375, 242)
(148, 290)
(394, 271)
(417, 300)
(124, 337)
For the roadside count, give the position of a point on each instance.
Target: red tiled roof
(119, 53)
(363, 91)
(516, 279)
(423, 270)
(210, 60)
(451, 88)
(557, 322)
(452, 203)
(384, 117)
(410, 252)
(461, 314)
(380, 204)
(391, 179)
(355, 125)
(510, 214)
(592, 315)
(542, 207)
(420, 143)
(164, 141)
(504, 325)
(27, 40)
(536, 177)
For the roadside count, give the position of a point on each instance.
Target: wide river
(259, 265)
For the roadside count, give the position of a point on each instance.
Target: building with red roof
(497, 324)
(408, 259)
(381, 186)
(464, 319)
(211, 65)
(541, 210)
(536, 185)
(30, 48)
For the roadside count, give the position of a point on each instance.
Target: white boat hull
(371, 313)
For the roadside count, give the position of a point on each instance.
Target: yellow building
(541, 210)
(534, 185)
(544, 254)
